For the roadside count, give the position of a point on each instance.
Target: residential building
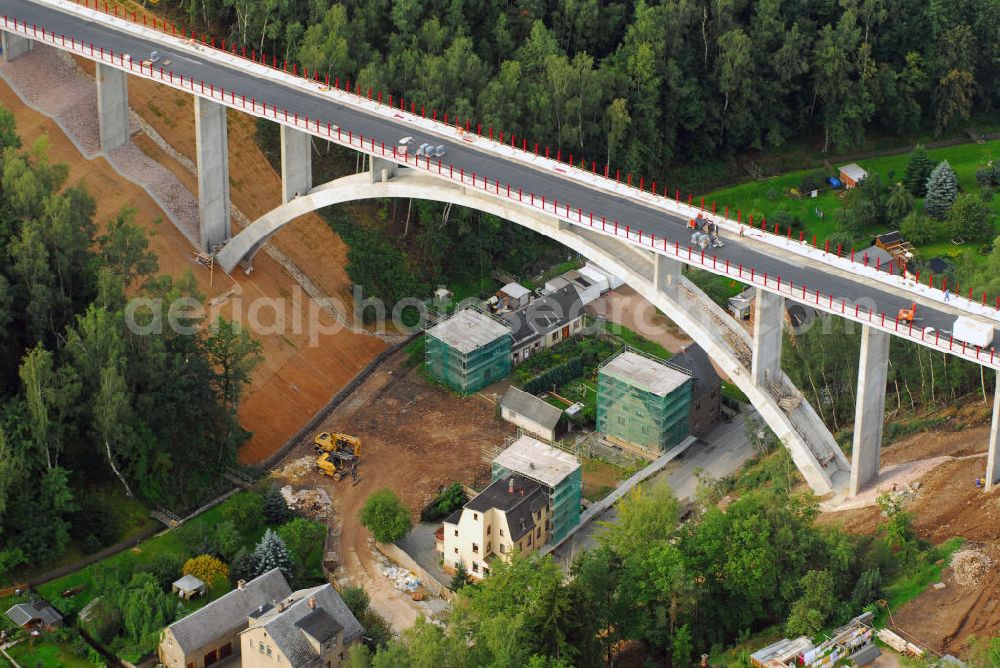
(545, 322)
(311, 628)
(901, 250)
(513, 296)
(532, 414)
(853, 174)
(35, 615)
(212, 633)
(706, 392)
(643, 405)
(469, 350)
(614, 281)
(558, 472)
(511, 514)
(586, 287)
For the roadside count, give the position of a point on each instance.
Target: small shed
(36, 615)
(853, 174)
(531, 414)
(513, 296)
(740, 306)
(188, 587)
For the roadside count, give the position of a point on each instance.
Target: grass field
(51, 654)
(770, 195)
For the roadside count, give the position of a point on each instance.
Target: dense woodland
(84, 400)
(643, 84)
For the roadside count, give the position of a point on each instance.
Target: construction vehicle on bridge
(338, 454)
(906, 315)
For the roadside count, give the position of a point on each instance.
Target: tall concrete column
(993, 458)
(14, 45)
(382, 170)
(212, 145)
(112, 106)
(768, 320)
(869, 413)
(666, 273)
(296, 163)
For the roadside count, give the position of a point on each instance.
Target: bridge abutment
(993, 456)
(212, 143)
(768, 320)
(112, 107)
(14, 46)
(873, 368)
(296, 163)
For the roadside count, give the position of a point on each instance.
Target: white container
(974, 332)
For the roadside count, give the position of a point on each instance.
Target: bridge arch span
(656, 277)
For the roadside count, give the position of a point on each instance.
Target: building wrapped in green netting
(643, 404)
(468, 351)
(557, 471)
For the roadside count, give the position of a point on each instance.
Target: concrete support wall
(112, 107)
(213, 172)
(14, 45)
(382, 170)
(768, 320)
(869, 413)
(296, 163)
(993, 458)
(666, 273)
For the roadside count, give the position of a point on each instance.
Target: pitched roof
(289, 627)
(25, 613)
(545, 315)
(538, 461)
(228, 614)
(468, 329)
(531, 407)
(694, 360)
(854, 170)
(189, 583)
(644, 373)
(528, 498)
(515, 290)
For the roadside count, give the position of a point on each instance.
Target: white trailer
(973, 332)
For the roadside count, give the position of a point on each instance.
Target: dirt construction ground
(946, 503)
(415, 438)
(295, 379)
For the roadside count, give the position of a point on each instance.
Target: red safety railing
(561, 210)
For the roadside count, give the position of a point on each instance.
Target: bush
(163, 567)
(245, 510)
(970, 219)
(919, 228)
(446, 502)
(554, 377)
(385, 516)
(812, 181)
(206, 568)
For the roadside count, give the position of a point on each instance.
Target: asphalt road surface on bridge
(547, 183)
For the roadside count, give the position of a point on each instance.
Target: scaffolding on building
(635, 412)
(469, 350)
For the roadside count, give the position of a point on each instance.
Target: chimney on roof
(510, 485)
(240, 584)
(312, 603)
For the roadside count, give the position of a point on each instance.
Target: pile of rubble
(968, 567)
(401, 578)
(297, 467)
(309, 502)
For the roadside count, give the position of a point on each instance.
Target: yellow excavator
(338, 454)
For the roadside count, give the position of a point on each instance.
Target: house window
(456, 533)
(489, 528)
(475, 567)
(261, 648)
(456, 550)
(475, 548)
(475, 517)
(501, 532)
(529, 539)
(538, 532)
(503, 549)
(269, 650)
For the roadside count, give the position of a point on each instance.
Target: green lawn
(914, 581)
(768, 196)
(52, 654)
(633, 340)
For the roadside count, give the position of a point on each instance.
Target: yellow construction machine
(338, 454)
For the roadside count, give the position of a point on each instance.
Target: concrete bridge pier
(873, 369)
(212, 146)
(14, 45)
(112, 107)
(382, 170)
(768, 321)
(993, 458)
(296, 163)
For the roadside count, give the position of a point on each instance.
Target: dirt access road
(415, 438)
(947, 503)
